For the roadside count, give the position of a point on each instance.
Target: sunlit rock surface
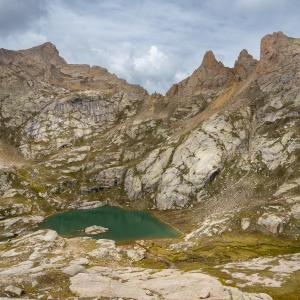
(222, 145)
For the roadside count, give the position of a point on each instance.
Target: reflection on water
(123, 224)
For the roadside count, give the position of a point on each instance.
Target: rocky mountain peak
(47, 47)
(272, 44)
(244, 56)
(46, 53)
(244, 65)
(211, 73)
(209, 60)
(275, 50)
(211, 67)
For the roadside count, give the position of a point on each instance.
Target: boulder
(204, 293)
(49, 236)
(14, 290)
(271, 223)
(136, 254)
(106, 249)
(95, 229)
(245, 223)
(295, 210)
(73, 269)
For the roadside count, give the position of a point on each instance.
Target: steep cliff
(217, 157)
(222, 140)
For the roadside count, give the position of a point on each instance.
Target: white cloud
(153, 68)
(152, 62)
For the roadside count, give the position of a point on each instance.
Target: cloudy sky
(150, 42)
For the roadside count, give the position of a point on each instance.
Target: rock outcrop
(143, 284)
(218, 122)
(244, 65)
(36, 257)
(222, 144)
(94, 229)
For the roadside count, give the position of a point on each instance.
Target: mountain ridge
(217, 157)
(90, 102)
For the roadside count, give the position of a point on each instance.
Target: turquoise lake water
(123, 224)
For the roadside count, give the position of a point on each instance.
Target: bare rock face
(46, 53)
(210, 66)
(146, 284)
(275, 50)
(272, 46)
(211, 74)
(219, 132)
(223, 143)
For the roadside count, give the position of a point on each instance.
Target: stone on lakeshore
(95, 229)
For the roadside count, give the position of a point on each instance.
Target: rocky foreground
(217, 157)
(47, 266)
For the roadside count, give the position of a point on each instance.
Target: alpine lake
(123, 224)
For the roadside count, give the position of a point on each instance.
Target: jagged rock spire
(209, 60)
(244, 65)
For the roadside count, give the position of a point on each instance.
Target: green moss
(230, 247)
(59, 283)
(37, 187)
(149, 263)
